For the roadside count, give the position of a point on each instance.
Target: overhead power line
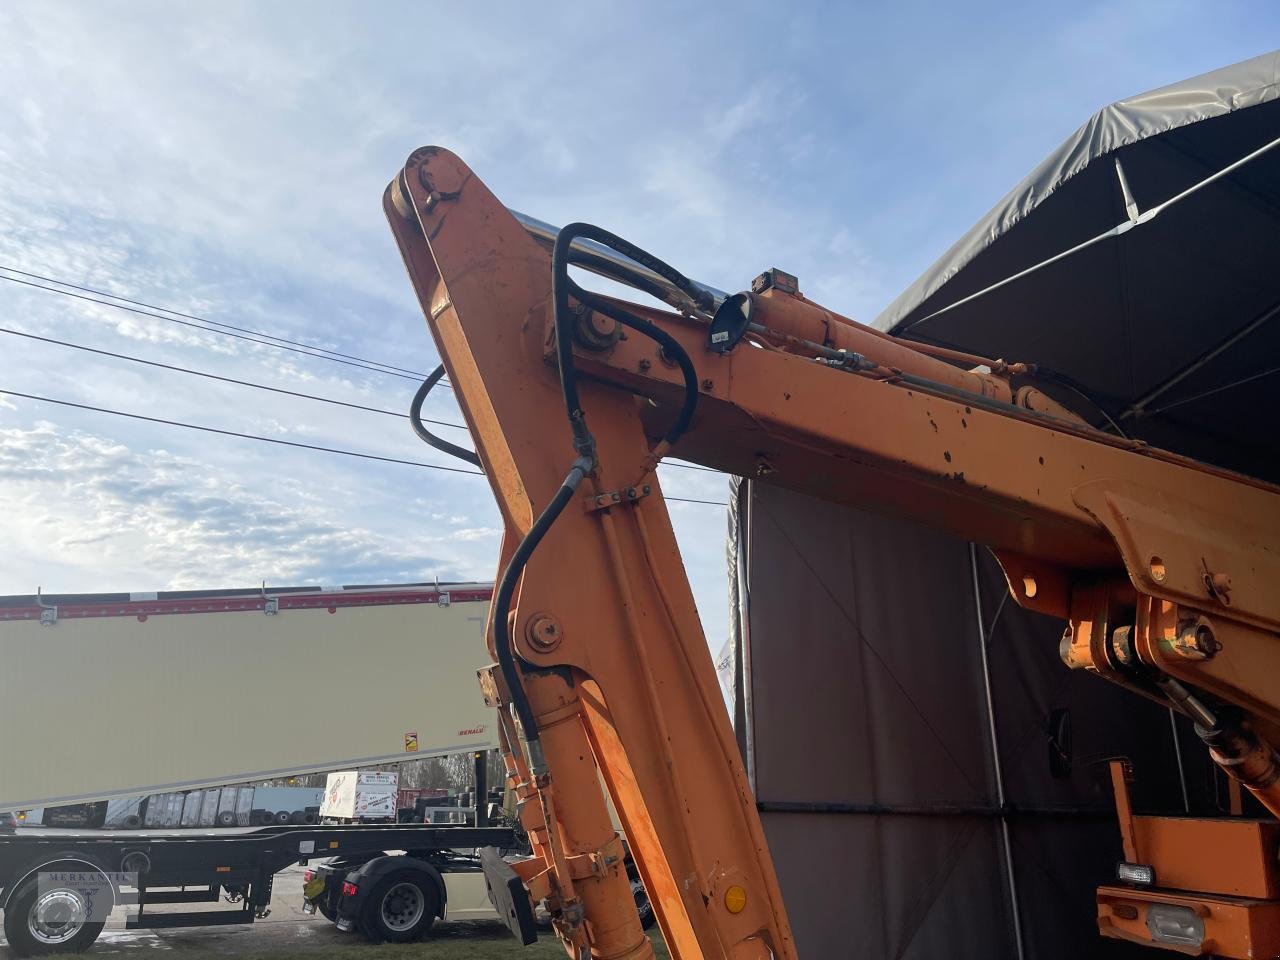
(277, 440)
(216, 376)
(243, 436)
(262, 386)
(205, 320)
(207, 329)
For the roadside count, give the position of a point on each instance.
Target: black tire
(282, 817)
(226, 818)
(131, 822)
(265, 818)
(643, 906)
(31, 934)
(297, 818)
(400, 909)
(310, 817)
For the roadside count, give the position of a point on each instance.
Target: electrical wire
(243, 436)
(290, 393)
(223, 333)
(216, 376)
(204, 320)
(286, 443)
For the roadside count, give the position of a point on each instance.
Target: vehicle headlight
(1136, 873)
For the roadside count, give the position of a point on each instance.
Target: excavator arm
(1162, 566)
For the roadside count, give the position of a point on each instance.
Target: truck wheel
(297, 818)
(265, 818)
(401, 908)
(282, 817)
(226, 818)
(643, 906)
(38, 922)
(131, 822)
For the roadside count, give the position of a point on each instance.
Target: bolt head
(544, 632)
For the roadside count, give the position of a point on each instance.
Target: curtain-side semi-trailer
(107, 696)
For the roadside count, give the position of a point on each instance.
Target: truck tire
(401, 908)
(39, 922)
(310, 817)
(297, 818)
(226, 818)
(643, 906)
(265, 818)
(131, 822)
(282, 818)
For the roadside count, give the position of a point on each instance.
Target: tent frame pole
(1006, 841)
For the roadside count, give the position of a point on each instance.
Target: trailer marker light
(735, 899)
(1136, 873)
(1171, 923)
(222, 869)
(349, 889)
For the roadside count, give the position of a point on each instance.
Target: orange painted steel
(1164, 567)
(1234, 927)
(794, 317)
(1229, 856)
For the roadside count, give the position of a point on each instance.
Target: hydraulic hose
(671, 347)
(415, 420)
(562, 287)
(502, 607)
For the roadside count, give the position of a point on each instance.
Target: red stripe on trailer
(287, 601)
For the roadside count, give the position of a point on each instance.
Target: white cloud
(82, 500)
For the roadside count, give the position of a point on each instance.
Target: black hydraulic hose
(671, 347)
(1080, 390)
(502, 607)
(701, 298)
(415, 420)
(631, 278)
(583, 442)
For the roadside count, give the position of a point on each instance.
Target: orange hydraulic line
(794, 316)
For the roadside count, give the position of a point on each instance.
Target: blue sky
(228, 160)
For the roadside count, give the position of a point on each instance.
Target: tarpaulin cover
(1138, 260)
(1170, 317)
(858, 691)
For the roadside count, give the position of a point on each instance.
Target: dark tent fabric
(892, 704)
(860, 701)
(1140, 260)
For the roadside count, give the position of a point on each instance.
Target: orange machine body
(1163, 567)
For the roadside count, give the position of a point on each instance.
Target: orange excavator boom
(1163, 567)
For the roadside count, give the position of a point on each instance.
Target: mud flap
(508, 896)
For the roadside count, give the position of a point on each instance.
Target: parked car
(8, 822)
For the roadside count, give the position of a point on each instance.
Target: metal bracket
(597, 863)
(614, 498)
(489, 685)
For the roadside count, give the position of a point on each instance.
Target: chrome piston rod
(545, 234)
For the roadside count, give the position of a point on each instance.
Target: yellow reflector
(222, 869)
(333, 844)
(735, 899)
